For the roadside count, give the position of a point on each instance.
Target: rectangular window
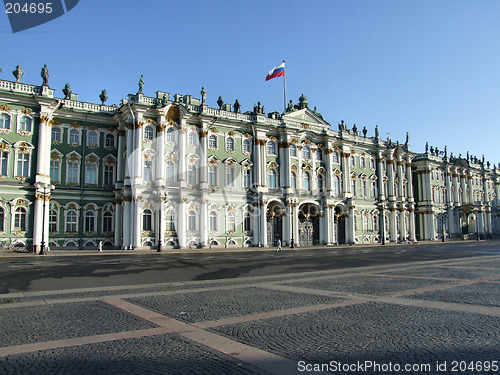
(191, 177)
(91, 174)
(212, 175)
(89, 223)
(4, 161)
(109, 175)
(54, 170)
(72, 177)
(23, 161)
(230, 176)
(246, 178)
(148, 170)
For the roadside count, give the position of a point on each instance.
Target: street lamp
(160, 219)
(292, 244)
(442, 226)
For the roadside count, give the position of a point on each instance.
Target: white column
(256, 167)
(137, 215)
(314, 177)
(160, 154)
(161, 225)
(182, 154)
(127, 224)
(346, 172)
(182, 223)
(263, 224)
(203, 160)
(256, 223)
(204, 221)
(120, 161)
(118, 223)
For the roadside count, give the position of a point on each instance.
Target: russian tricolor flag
(276, 72)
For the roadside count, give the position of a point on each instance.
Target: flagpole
(284, 87)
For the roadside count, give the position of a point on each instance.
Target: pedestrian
(100, 246)
(279, 246)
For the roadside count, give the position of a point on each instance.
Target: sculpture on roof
(67, 91)
(203, 95)
(365, 131)
(103, 96)
(376, 132)
(426, 147)
(220, 102)
(236, 106)
(290, 107)
(18, 73)
(354, 129)
(45, 75)
(141, 84)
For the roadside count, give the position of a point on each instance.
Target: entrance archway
(274, 222)
(309, 224)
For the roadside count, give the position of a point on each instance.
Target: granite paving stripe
(84, 340)
(480, 293)
(256, 357)
(218, 304)
(26, 325)
(154, 355)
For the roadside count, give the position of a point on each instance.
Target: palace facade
(171, 171)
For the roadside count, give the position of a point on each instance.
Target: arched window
(293, 178)
(271, 148)
(170, 138)
(148, 133)
(170, 171)
(109, 174)
(319, 154)
(307, 182)
(2, 219)
(55, 134)
(110, 140)
(320, 182)
(147, 220)
(372, 163)
(71, 221)
(92, 138)
(192, 221)
(170, 220)
(107, 222)
(4, 121)
(74, 136)
(293, 151)
(192, 139)
(362, 162)
(20, 219)
(212, 175)
(335, 157)
(213, 221)
(212, 142)
(53, 221)
(353, 161)
(231, 222)
(89, 221)
(306, 152)
(336, 185)
(246, 146)
(25, 124)
(229, 144)
(375, 222)
(271, 179)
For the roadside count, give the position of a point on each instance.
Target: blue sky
(427, 67)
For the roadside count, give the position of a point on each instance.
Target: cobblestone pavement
(432, 317)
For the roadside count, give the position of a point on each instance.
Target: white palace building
(171, 171)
